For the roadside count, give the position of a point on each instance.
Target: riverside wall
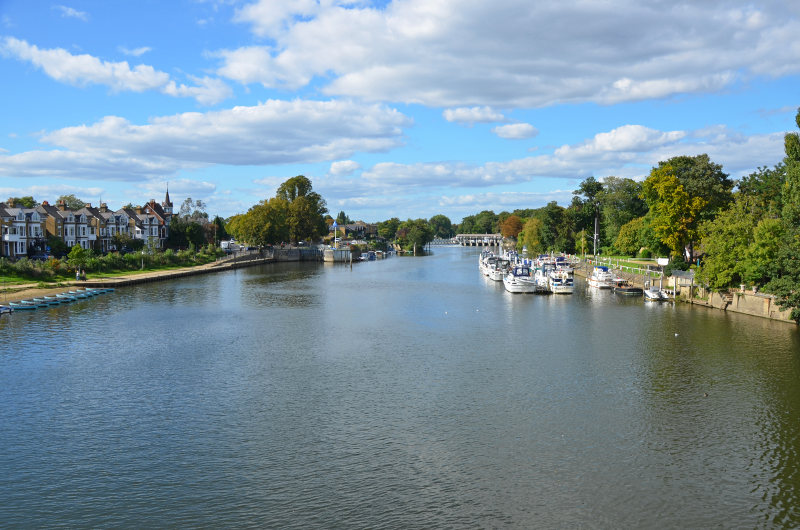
(745, 302)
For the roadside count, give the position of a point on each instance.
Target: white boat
(499, 270)
(655, 294)
(542, 278)
(519, 280)
(601, 278)
(561, 282)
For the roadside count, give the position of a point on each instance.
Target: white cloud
(516, 131)
(68, 12)
(344, 167)
(81, 70)
(452, 53)
(470, 115)
(273, 132)
(135, 52)
(207, 91)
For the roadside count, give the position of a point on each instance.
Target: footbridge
(478, 240)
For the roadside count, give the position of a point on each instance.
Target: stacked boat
(61, 298)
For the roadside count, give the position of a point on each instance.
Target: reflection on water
(407, 392)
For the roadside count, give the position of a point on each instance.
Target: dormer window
(71, 218)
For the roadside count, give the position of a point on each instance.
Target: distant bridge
(478, 240)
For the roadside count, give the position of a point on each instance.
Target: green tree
(674, 215)
(620, 202)
(342, 219)
(764, 188)
(306, 211)
(441, 226)
(23, 202)
(530, 236)
(725, 241)
(220, 234)
(71, 202)
(414, 234)
(193, 210)
(388, 229)
(78, 256)
(791, 186)
(485, 223)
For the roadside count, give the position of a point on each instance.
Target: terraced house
(25, 230)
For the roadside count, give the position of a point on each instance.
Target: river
(401, 393)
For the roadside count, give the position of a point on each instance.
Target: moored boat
(600, 278)
(519, 280)
(561, 282)
(626, 288)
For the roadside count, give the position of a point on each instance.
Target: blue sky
(393, 109)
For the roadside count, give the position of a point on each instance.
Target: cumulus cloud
(84, 69)
(506, 54)
(135, 52)
(344, 167)
(273, 132)
(516, 131)
(470, 115)
(68, 12)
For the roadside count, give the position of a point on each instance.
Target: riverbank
(747, 303)
(33, 290)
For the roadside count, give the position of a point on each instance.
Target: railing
(620, 265)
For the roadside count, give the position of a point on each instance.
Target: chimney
(103, 207)
(10, 202)
(88, 205)
(138, 210)
(61, 205)
(45, 203)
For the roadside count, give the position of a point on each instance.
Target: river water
(402, 393)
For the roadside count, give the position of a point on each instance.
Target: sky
(406, 108)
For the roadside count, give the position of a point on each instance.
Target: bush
(645, 253)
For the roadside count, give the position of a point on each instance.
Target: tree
(620, 202)
(388, 229)
(441, 226)
(673, 215)
(23, 202)
(485, 223)
(702, 178)
(71, 202)
(193, 210)
(511, 227)
(263, 224)
(725, 241)
(220, 234)
(589, 208)
(78, 256)
(764, 188)
(791, 187)
(414, 235)
(342, 219)
(530, 236)
(306, 211)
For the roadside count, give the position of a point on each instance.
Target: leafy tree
(306, 209)
(725, 241)
(673, 214)
(263, 224)
(388, 229)
(414, 234)
(71, 202)
(342, 219)
(620, 202)
(57, 246)
(485, 223)
(761, 260)
(530, 236)
(511, 227)
(702, 178)
(764, 189)
(78, 256)
(24, 202)
(193, 210)
(628, 239)
(791, 187)
(441, 226)
(587, 206)
(220, 234)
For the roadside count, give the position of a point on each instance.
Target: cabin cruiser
(601, 278)
(561, 282)
(626, 288)
(519, 280)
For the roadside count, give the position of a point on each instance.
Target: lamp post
(142, 259)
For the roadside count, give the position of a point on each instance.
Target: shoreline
(32, 290)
